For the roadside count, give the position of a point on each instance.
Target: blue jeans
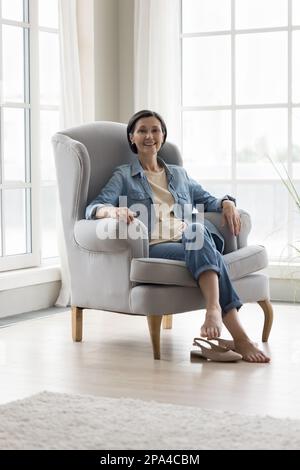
(199, 260)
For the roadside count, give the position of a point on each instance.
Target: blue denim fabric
(200, 260)
(130, 181)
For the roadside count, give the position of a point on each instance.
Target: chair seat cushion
(239, 263)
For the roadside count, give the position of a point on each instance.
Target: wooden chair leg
(154, 323)
(77, 323)
(268, 311)
(167, 321)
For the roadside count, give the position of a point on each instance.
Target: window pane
(261, 68)
(206, 71)
(14, 144)
(12, 10)
(49, 126)
(206, 15)
(13, 70)
(296, 232)
(49, 68)
(296, 66)
(49, 204)
(207, 143)
(259, 132)
(215, 188)
(260, 13)
(269, 227)
(1, 228)
(14, 221)
(296, 143)
(296, 12)
(48, 13)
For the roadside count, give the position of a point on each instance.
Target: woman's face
(147, 136)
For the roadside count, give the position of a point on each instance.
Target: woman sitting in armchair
(165, 191)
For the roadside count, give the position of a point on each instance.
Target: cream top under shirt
(167, 226)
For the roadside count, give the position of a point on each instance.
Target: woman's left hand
(231, 216)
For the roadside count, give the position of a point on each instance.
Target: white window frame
(234, 107)
(32, 128)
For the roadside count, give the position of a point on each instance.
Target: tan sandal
(214, 352)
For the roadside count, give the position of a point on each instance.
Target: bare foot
(212, 326)
(229, 343)
(250, 351)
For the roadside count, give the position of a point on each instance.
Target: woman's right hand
(120, 213)
(125, 214)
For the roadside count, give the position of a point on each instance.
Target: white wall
(106, 44)
(111, 43)
(85, 25)
(28, 299)
(106, 56)
(126, 48)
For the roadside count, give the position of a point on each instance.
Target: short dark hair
(144, 113)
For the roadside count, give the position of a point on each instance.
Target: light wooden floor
(115, 360)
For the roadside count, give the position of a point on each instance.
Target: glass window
(14, 208)
(49, 125)
(1, 228)
(231, 122)
(13, 10)
(49, 69)
(205, 15)
(23, 75)
(207, 143)
(48, 13)
(14, 144)
(261, 68)
(13, 70)
(296, 67)
(260, 13)
(217, 189)
(296, 231)
(206, 71)
(260, 132)
(49, 204)
(296, 12)
(296, 144)
(269, 227)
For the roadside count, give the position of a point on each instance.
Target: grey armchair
(116, 274)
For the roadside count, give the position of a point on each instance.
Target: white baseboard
(285, 290)
(29, 298)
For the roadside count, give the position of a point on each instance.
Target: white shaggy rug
(61, 421)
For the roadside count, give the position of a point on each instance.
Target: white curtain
(70, 110)
(157, 61)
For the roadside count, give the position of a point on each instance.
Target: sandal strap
(212, 345)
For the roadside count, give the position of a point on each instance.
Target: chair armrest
(232, 242)
(242, 238)
(110, 236)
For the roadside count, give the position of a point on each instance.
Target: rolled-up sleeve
(109, 195)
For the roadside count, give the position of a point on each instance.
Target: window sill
(47, 272)
(283, 270)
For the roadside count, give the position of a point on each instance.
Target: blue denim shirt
(129, 180)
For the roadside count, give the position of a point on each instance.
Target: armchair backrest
(86, 156)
